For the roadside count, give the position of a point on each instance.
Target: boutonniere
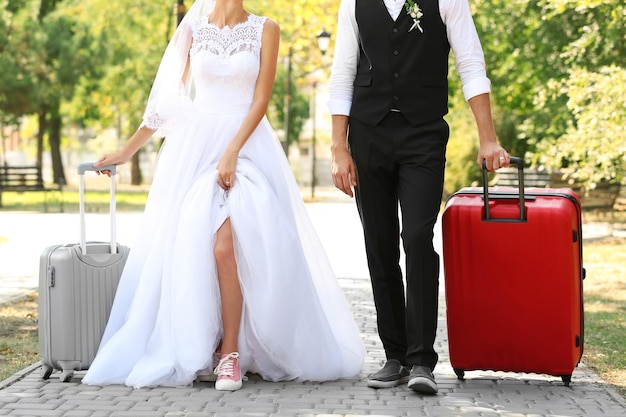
(413, 9)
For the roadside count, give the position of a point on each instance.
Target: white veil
(172, 92)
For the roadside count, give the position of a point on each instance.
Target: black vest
(398, 69)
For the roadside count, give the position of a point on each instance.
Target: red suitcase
(513, 279)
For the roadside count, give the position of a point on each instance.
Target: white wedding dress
(165, 322)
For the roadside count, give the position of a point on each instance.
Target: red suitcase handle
(520, 174)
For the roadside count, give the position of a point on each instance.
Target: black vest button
(395, 75)
(395, 30)
(396, 52)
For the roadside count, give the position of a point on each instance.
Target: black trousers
(400, 163)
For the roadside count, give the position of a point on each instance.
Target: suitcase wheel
(460, 374)
(566, 379)
(67, 369)
(46, 372)
(67, 375)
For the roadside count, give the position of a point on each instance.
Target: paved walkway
(481, 394)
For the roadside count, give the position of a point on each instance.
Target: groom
(388, 97)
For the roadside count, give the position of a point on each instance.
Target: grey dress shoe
(422, 380)
(391, 375)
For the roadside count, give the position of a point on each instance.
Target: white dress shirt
(462, 36)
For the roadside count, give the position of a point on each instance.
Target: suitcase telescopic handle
(82, 168)
(520, 175)
(88, 166)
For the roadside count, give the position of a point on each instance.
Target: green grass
(606, 328)
(18, 336)
(605, 310)
(95, 201)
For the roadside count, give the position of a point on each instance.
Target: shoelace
(226, 367)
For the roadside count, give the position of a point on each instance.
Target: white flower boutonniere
(413, 9)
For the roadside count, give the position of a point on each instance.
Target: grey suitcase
(77, 284)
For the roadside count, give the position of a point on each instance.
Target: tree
(537, 53)
(134, 36)
(522, 52)
(299, 107)
(44, 55)
(22, 65)
(17, 91)
(67, 59)
(301, 21)
(589, 141)
(593, 148)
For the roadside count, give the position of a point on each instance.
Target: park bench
(25, 179)
(507, 177)
(601, 198)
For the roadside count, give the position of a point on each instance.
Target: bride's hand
(116, 158)
(226, 169)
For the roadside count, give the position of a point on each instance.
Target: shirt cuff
(476, 87)
(339, 106)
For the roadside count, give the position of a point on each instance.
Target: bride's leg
(228, 372)
(230, 290)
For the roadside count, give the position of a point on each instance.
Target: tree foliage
(556, 67)
(299, 107)
(301, 21)
(19, 68)
(45, 52)
(539, 55)
(132, 37)
(589, 141)
(593, 147)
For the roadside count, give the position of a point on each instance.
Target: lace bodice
(225, 62)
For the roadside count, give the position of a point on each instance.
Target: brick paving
(483, 393)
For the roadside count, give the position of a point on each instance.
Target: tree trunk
(46, 7)
(136, 178)
(40, 134)
(54, 139)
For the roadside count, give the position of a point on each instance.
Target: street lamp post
(323, 42)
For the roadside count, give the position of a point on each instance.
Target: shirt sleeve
(345, 59)
(466, 47)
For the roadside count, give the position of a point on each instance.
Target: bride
(227, 275)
